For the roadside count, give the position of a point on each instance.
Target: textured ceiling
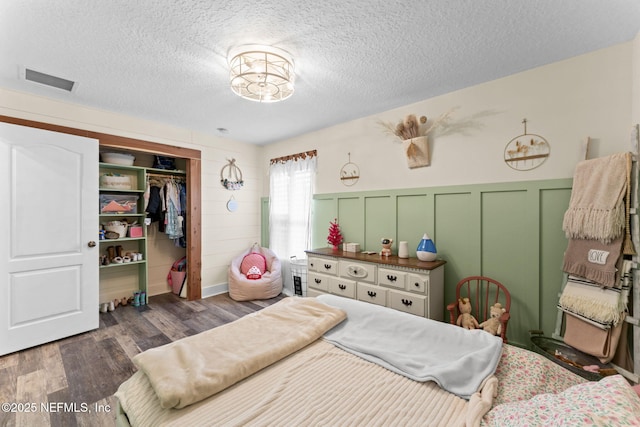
(165, 60)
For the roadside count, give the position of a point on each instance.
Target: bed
(341, 362)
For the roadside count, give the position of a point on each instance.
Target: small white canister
(403, 250)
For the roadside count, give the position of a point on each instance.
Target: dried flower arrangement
(413, 133)
(412, 127)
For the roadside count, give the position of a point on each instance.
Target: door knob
(91, 244)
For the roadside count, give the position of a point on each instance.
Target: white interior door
(48, 218)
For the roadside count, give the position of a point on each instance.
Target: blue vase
(426, 250)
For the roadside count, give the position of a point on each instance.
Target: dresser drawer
(392, 278)
(409, 303)
(342, 287)
(371, 293)
(318, 281)
(360, 271)
(400, 284)
(323, 265)
(418, 283)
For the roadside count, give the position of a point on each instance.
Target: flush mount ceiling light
(261, 73)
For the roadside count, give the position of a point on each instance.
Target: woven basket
(121, 229)
(111, 235)
(115, 182)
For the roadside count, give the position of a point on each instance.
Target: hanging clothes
(166, 204)
(156, 205)
(173, 219)
(182, 241)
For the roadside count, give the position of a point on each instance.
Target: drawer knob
(318, 281)
(311, 264)
(417, 284)
(343, 287)
(407, 302)
(371, 294)
(327, 266)
(355, 271)
(391, 278)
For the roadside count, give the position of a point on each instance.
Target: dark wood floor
(75, 378)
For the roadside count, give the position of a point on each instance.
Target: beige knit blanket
(194, 368)
(320, 385)
(596, 209)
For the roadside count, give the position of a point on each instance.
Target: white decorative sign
(596, 256)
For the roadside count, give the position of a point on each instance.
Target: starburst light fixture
(261, 73)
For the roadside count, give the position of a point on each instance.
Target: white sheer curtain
(291, 187)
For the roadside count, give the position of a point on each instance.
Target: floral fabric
(523, 374)
(533, 391)
(608, 402)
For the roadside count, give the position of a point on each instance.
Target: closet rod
(158, 175)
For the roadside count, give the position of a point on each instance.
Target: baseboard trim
(212, 290)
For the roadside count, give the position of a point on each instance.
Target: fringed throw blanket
(194, 368)
(596, 209)
(588, 299)
(593, 260)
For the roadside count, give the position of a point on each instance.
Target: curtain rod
(294, 157)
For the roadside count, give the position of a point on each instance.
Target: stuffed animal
(492, 324)
(466, 319)
(386, 246)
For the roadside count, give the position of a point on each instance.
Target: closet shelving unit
(138, 177)
(129, 244)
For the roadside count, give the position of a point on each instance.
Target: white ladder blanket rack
(633, 320)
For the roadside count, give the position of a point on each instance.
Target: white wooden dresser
(405, 284)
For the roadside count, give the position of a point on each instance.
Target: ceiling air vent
(49, 80)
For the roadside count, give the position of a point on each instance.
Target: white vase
(403, 250)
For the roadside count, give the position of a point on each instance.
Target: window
(292, 181)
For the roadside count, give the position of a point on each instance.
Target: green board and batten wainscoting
(509, 231)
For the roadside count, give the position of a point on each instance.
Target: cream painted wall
(635, 103)
(589, 95)
(224, 234)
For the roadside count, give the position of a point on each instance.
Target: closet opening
(159, 186)
(188, 160)
(162, 249)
